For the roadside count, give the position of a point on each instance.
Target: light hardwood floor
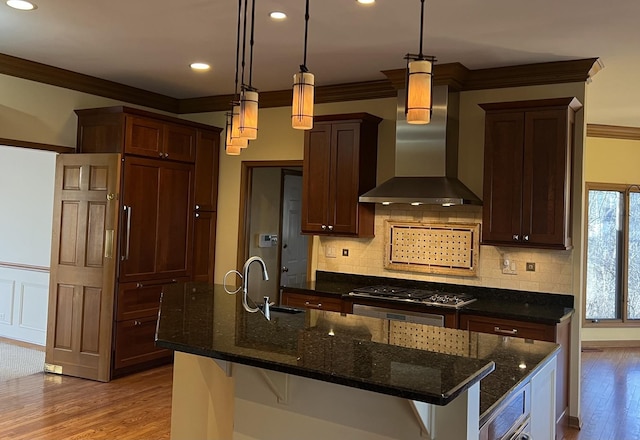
(50, 407)
(138, 407)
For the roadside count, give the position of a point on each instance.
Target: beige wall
(611, 161)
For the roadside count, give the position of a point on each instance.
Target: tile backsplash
(553, 269)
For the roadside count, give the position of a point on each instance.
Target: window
(613, 254)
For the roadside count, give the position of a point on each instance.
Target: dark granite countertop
(541, 308)
(368, 353)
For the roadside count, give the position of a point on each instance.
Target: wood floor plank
(49, 407)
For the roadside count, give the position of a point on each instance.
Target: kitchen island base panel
(207, 404)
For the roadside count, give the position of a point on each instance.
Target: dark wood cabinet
(527, 173)
(559, 333)
(340, 161)
(150, 214)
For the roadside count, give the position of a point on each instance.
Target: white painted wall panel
(7, 293)
(23, 302)
(33, 307)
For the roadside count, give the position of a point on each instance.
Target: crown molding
(67, 79)
(613, 132)
(454, 75)
(36, 146)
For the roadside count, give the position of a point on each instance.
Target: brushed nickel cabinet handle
(317, 306)
(127, 210)
(513, 331)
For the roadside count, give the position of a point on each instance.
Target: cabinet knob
(197, 207)
(285, 269)
(323, 227)
(197, 214)
(516, 237)
(137, 323)
(526, 238)
(166, 155)
(330, 227)
(160, 154)
(139, 285)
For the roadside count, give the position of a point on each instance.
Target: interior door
(83, 264)
(293, 244)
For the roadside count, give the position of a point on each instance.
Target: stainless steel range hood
(426, 158)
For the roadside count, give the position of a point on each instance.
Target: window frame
(623, 321)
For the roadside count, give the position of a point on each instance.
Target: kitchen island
(315, 374)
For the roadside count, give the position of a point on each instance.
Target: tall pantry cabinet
(134, 214)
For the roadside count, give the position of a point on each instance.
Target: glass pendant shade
(230, 148)
(248, 118)
(419, 92)
(303, 96)
(236, 139)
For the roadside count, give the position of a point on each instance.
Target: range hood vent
(426, 158)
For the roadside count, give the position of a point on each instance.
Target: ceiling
(149, 44)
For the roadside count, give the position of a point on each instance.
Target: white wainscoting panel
(23, 304)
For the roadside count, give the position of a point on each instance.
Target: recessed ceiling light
(21, 4)
(277, 15)
(366, 2)
(200, 66)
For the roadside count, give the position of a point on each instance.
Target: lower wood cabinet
(317, 302)
(559, 333)
(135, 343)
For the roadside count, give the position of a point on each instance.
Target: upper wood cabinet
(527, 173)
(132, 131)
(340, 161)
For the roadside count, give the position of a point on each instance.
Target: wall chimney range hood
(426, 159)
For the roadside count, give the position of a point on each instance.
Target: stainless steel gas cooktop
(421, 296)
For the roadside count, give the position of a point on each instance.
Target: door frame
(246, 170)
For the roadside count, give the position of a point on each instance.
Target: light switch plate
(330, 252)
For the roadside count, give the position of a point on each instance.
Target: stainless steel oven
(399, 315)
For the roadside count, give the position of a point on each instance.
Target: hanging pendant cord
(421, 26)
(244, 39)
(303, 67)
(238, 47)
(253, 16)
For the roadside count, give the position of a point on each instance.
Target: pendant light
(233, 142)
(419, 82)
(303, 88)
(248, 121)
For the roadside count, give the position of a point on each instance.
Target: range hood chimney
(426, 158)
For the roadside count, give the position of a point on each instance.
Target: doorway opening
(270, 214)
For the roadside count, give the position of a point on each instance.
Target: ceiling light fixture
(277, 15)
(21, 5)
(366, 2)
(200, 66)
(303, 88)
(419, 82)
(248, 128)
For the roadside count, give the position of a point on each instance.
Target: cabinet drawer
(139, 300)
(506, 327)
(298, 300)
(135, 342)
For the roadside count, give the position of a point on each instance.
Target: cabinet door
(204, 243)
(179, 143)
(507, 327)
(206, 184)
(503, 157)
(546, 170)
(343, 190)
(143, 137)
(139, 219)
(174, 244)
(156, 220)
(315, 179)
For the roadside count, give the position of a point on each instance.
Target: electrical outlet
(345, 252)
(508, 266)
(531, 267)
